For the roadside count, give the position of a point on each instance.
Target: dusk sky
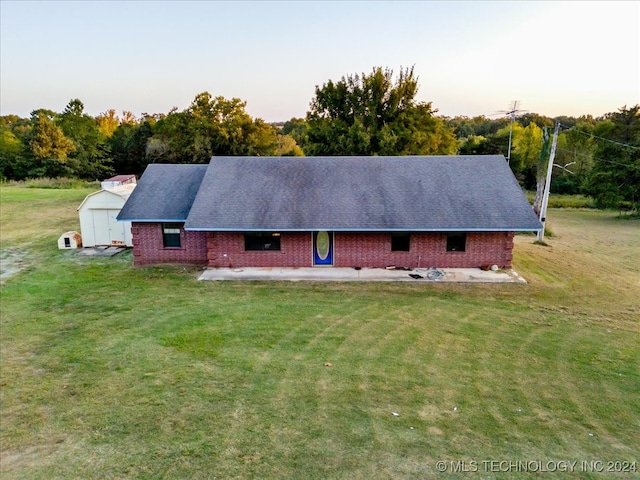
(472, 58)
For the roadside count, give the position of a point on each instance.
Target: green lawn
(113, 372)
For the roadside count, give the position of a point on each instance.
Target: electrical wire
(595, 159)
(599, 138)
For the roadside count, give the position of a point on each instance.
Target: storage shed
(118, 180)
(98, 213)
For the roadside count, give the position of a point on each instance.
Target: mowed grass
(114, 372)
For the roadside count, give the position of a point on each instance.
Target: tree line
(360, 114)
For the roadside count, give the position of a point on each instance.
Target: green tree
(15, 135)
(128, 146)
(464, 127)
(257, 138)
(287, 147)
(500, 139)
(375, 115)
(49, 150)
(212, 126)
(540, 120)
(615, 176)
(479, 145)
(11, 149)
(298, 129)
(576, 149)
(89, 158)
(177, 133)
(107, 123)
(527, 144)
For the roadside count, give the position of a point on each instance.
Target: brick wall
(226, 249)
(426, 250)
(148, 246)
(367, 250)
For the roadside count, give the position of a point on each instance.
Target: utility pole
(547, 185)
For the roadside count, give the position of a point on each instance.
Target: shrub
(565, 201)
(55, 183)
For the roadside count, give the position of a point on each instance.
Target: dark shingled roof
(164, 193)
(414, 193)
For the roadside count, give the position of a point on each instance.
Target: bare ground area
(12, 261)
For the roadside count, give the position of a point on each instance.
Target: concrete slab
(102, 251)
(332, 274)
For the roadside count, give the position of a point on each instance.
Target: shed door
(107, 230)
(323, 248)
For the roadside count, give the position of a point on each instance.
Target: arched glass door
(323, 248)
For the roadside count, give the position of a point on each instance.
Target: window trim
(455, 240)
(169, 238)
(261, 238)
(401, 238)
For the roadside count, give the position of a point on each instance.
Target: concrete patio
(333, 274)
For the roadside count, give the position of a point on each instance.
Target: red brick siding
(367, 250)
(426, 250)
(226, 249)
(148, 248)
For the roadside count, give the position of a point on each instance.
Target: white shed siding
(98, 223)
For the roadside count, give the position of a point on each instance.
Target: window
(262, 241)
(456, 241)
(400, 241)
(171, 235)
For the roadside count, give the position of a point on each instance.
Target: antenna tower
(512, 113)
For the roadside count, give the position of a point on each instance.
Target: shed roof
(120, 178)
(416, 193)
(122, 191)
(165, 193)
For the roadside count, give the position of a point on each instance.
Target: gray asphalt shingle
(417, 193)
(164, 193)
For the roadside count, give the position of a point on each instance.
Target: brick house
(369, 212)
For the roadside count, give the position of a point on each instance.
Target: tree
(479, 145)
(576, 149)
(11, 149)
(176, 132)
(527, 144)
(375, 115)
(107, 123)
(49, 148)
(128, 117)
(287, 147)
(298, 129)
(464, 127)
(615, 176)
(128, 146)
(212, 126)
(540, 120)
(90, 156)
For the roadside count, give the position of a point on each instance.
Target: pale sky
(472, 58)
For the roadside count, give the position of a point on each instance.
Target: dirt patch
(12, 261)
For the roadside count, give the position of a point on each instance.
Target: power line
(600, 138)
(596, 159)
